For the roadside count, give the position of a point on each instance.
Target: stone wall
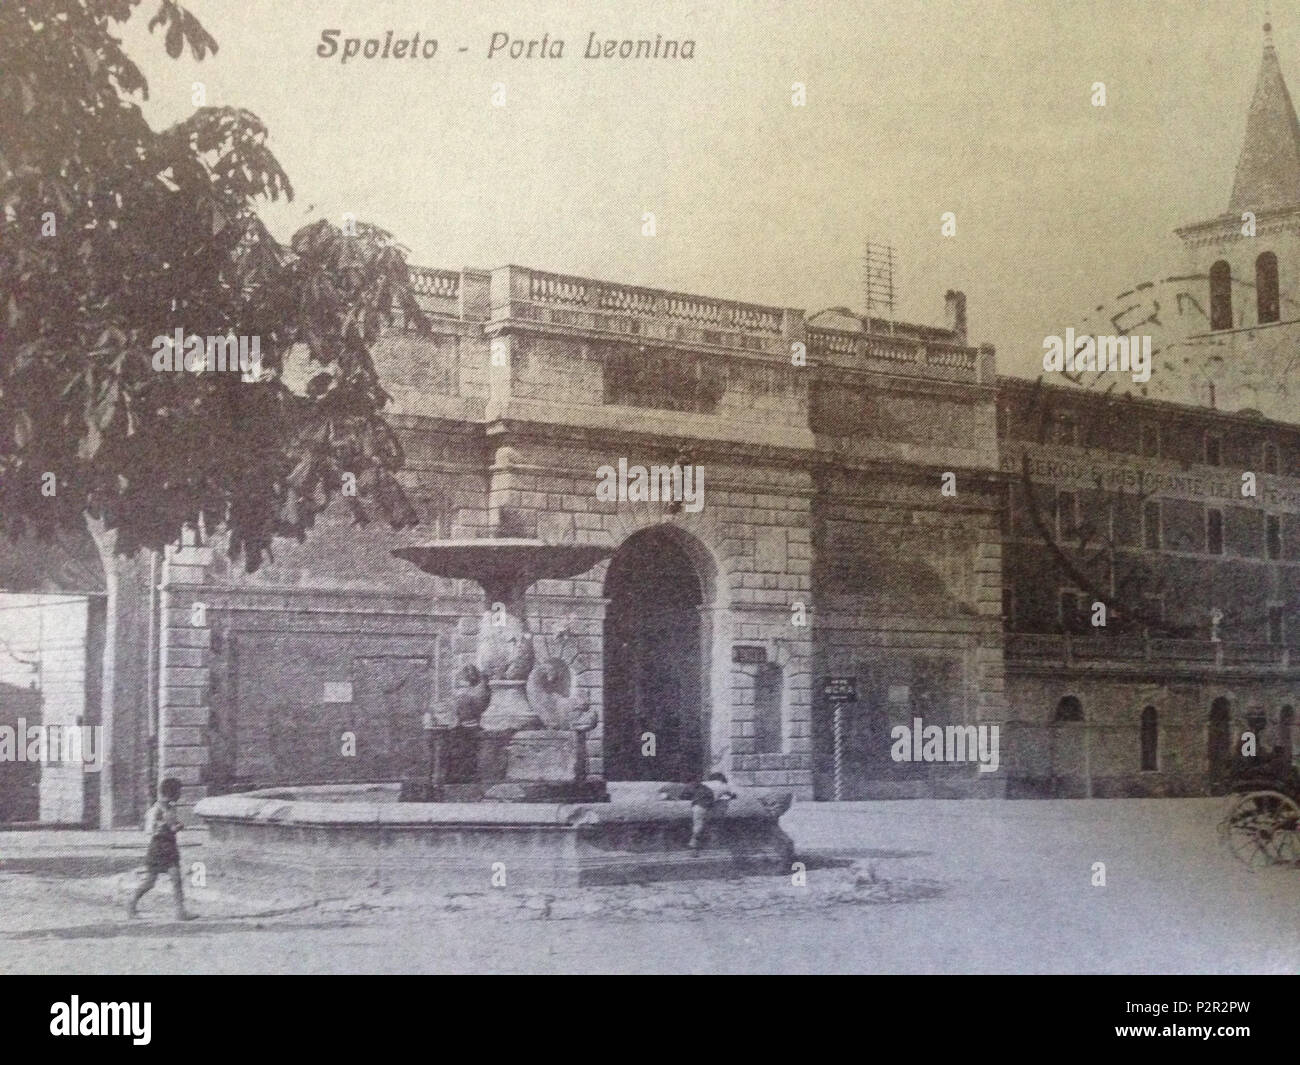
(1101, 756)
(908, 587)
(508, 407)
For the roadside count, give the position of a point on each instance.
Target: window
(1150, 739)
(1270, 457)
(1067, 514)
(1273, 536)
(1067, 431)
(1276, 626)
(1220, 296)
(1267, 303)
(1073, 613)
(1219, 737)
(1153, 603)
(1004, 423)
(1151, 441)
(1152, 535)
(1214, 532)
(1285, 735)
(768, 687)
(1069, 709)
(1213, 450)
(1257, 724)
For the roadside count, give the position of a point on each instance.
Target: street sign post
(838, 691)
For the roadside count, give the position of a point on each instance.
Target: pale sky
(915, 107)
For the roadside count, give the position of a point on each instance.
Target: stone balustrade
(898, 354)
(444, 284)
(1071, 650)
(698, 310)
(564, 302)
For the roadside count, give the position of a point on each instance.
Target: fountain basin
(503, 567)
(334, 837)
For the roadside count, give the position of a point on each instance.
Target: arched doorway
(1219, 741)
(1069, 750)
(654, 675)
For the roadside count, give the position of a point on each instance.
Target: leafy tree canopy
(114, 234)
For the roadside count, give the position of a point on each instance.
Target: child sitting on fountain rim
(708, 801)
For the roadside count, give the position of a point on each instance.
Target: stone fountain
(511, 796)
(515, 730)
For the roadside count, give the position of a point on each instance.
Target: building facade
(1175, 505)
(822, 544)
(887, 532)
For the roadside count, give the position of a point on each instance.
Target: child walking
(710, 795)
(163, 855)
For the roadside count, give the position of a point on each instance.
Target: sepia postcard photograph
(684, 487)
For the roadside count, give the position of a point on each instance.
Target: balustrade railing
(1066, 648)
(841, 343)
(444, 284)
(566, 291)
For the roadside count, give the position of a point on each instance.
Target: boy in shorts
(163, 855)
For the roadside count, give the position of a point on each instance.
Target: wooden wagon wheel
(1261, 829)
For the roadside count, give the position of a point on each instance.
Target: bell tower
(1246, 262)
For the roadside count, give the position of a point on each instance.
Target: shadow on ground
(163, 929)
(840, 858)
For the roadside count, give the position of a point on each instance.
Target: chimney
(955, 313)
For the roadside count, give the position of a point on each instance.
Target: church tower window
(1221, 295)
(1266, 291)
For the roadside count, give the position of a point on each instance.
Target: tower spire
(1268, 169)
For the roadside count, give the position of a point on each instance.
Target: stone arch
(692, 533)
(659, 638)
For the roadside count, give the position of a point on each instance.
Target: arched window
(1220, 296)
(1069, 709)
(1270, 457)
(1219, 745)
(1266, 297)
(1150, 738)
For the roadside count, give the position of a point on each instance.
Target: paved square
(920, 886)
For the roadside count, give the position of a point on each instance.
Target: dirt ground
(922, 886)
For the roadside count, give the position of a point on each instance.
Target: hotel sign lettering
(1131, 477)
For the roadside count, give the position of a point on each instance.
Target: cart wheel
(1261, 829)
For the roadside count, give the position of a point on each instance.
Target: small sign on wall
(747, 654)
(337, 691)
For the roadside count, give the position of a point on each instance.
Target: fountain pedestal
(546, 765)
(508, 711)
(546, 757)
